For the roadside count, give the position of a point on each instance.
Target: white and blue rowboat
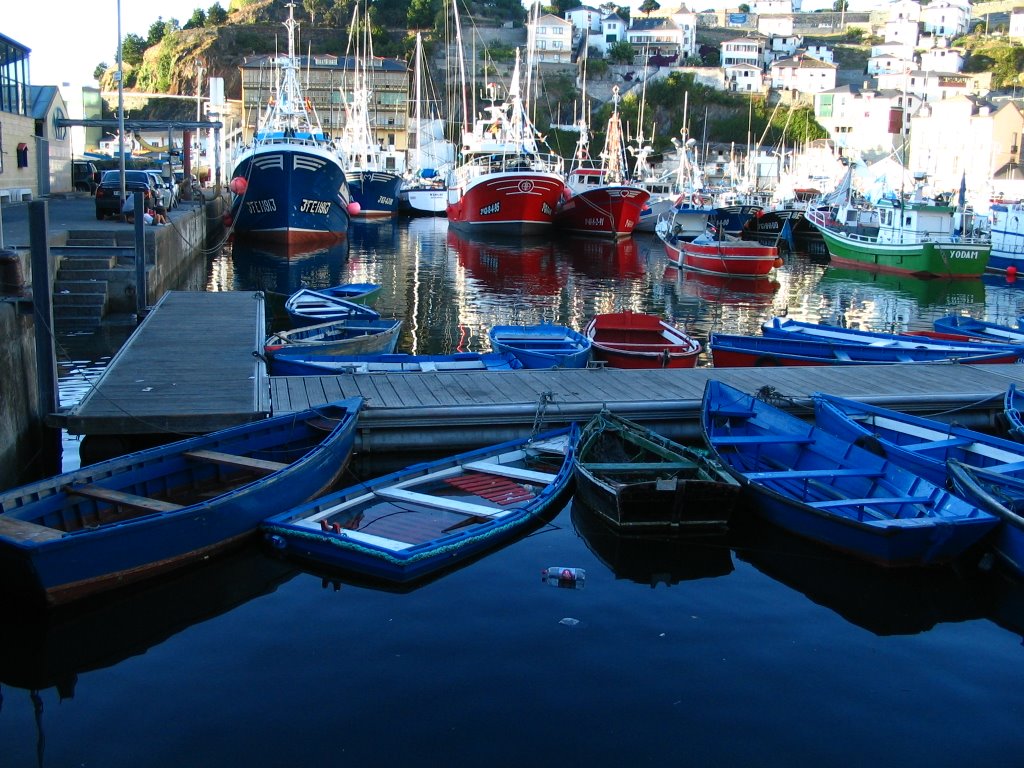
(832, 491)
(981, 330)
(1001, 494)
(1013, 404)
(410, 524)
(325, 365)
(309, 307)
(542, 346)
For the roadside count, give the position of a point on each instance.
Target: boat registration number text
(261, 206)
(386, 201)
(961, 254)
(597, 221)
(493, 208)
(322, 207)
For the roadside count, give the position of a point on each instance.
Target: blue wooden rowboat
(918, 444)
(928, 448)
(357, 293)
(1002, 494)
(787, 328)
(734, 351)
(542, 346)
(129, 518)
(407, 525)
(1013, 404)
(340, 337)
(827, 489)
(325, 365)
(982, 330)
(309, 307)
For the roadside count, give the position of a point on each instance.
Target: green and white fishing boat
(912, 237)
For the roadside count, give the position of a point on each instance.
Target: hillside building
(327, 76)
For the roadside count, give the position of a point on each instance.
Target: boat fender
(665, 358)
(566, 194)
(354, 208)
(778, 262)
(239, 185)
(766, 360)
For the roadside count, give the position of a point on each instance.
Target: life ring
(766, 361)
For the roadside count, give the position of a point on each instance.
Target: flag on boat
(963, 190)
(787, 234)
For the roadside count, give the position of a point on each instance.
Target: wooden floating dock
(190, 368)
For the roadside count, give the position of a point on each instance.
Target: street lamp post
(200, 70)
(120, 102)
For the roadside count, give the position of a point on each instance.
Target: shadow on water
(50, 647)
(894, 601)
(652, 559)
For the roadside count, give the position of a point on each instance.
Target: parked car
(108, 193)
(165, 193)
(84, 176)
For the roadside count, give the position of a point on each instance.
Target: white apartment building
(662, 37)
(941, 59)
(865, 123)
(887, 65)
(743, 50)
(745, 78)
(803, 74)
(1016, 30)
(613, 30)
(945, 18)
(584, 17)
(552, 38)
(902, 31)
(930, 86)
(820, 52)
(964, 136)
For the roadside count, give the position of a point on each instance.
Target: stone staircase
(90, 263)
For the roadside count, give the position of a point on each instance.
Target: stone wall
(21, 435)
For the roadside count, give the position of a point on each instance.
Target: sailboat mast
(466, 121)
(419, 101)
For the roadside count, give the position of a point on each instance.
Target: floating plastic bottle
(569, 578)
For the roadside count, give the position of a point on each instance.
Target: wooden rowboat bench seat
(801, 474)
(234, 460)
(23, 530)
(756, 439)
(122, 498)
(638, 466)
(870, 501)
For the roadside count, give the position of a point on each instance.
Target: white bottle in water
(570, 578)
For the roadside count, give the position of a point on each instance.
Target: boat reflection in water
(925, 292)
(652, 559)
(884, 601)
(601, 258)
(51, 648)
(280, 268)
(721, 289)
(509, 265)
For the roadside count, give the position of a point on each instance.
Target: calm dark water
(757, 649)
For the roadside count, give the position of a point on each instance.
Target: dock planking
(454, 410)
(188, 368)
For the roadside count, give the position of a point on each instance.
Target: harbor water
(751, 649)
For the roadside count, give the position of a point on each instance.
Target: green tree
(132, 48)
(620, 53)
(216, 15)
(101, 69)
(198, 20)
(744, 8)
(316, 8)
(421, 14)
(649, 6)
(841, 5)
(157, 30)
